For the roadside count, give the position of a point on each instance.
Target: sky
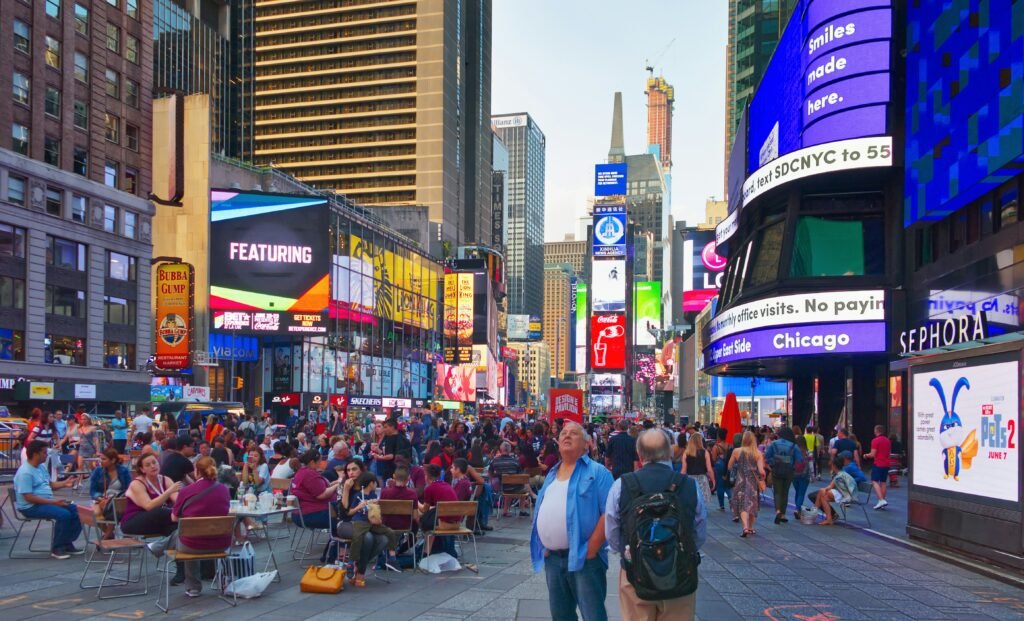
(563, 60)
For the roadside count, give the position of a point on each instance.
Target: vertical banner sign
(174, 306)
(566, 404)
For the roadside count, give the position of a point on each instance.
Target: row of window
(329, 65)
(352, 92)
(57, 203)
(370, 75)
(330, 47)
(986, 216)
(60, 349)
(21, 141)
(338, 140)
(328, 20)
(314, 5)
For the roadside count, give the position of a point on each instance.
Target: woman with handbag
(782, 457)
(748, 481)
(697, 464)
(204, 498)
(107, 482)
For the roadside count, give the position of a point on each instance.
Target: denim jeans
(484, 504)
(66, 525)
(780, 487)
(800, 491)
(586, 588)
(317, 519)
(720, 488)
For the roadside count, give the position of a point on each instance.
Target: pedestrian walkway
(790, 572)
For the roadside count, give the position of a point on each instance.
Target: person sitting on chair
(204, 498)
(840, 490)
(34, 498)
(108, 481)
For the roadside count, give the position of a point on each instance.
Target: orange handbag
(322, 580)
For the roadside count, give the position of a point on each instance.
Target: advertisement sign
(195, 393)
(85, 391)
(265, 322)
(536, 331)
(608, 351)
(608, 279)
(286, 399)
(455, 382)
(804, 340)
(610, 230)
(268, 252)
(518, 327)
(174, 304)
(502, 122)
(646, 313)
(703, 270)
(606, 382)
(566, 404)
(965, 427)
(233, 347)
(458, 317)
(728, 227)
(581, 327)
(610, 179)
(1002, 309)
(944, 333)
(159, 394)
(804, 308)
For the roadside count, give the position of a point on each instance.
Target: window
(113, 84)
(131, 49)
(22, 37)
(110, 174)
(58, 349)
(110, 218)
(19, 138)
(20, 88)
(838, 246)
(81, 67)
(15, 191)
(118, 355)
(768, 254)
(53, 8)
(65, 301)
(112, 3)
(131, 134)
(12, 344)
(65, 254)
(112, 128)
(131, 93)
(131, 7)
(12, 294)
(78, 208)
(81, 114)
(54, 201)
(120, 266)
(12, 241)
(113, 38)
(119, 311)
(52, 104)
(131, 183)
(131, 224)
(1008, 195)
(80, 163)
(51, 151)
(82, 19)
(52, 52)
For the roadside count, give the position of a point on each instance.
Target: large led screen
(965, 103)
(455, 382)
(268, 252)
(608, 286)
(608, 342)
(646, 313)
(965, 427)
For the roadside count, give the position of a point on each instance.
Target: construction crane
(649, 65)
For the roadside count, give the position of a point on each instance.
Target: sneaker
(73, 551)
(881, 504)
(60, 555)
(192, 592)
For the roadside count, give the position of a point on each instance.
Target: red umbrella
(730, 417)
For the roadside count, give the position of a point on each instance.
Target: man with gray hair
(655, 452)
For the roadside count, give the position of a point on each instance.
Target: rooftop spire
(617, 151)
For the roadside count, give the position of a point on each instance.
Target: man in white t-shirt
(142, 423)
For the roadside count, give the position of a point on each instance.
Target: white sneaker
(881, 504)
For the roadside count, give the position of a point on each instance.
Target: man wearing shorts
(881, 452)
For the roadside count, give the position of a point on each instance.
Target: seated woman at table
(150, 497)
(313, 493)
(204, 498)
(255, 472)
(108, 481)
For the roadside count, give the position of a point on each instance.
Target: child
(368, 538)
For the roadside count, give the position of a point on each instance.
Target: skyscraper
(661, 100)
(571, 251)
(386, 102)
(754, 30)
(557, 321)
(524, 235)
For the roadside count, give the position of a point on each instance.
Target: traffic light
(257, 401)
(239, 382)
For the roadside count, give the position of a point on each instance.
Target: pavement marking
(795, 612)
(11, 600)
(995, 597)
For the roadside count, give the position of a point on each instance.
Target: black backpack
(662, 558)
(784, 464)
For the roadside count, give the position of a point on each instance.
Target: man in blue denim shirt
(568, 539)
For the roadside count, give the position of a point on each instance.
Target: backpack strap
(631, 484)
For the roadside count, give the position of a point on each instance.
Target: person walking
(567, 540)
(621, 456)
(881, 453)
(782, 456)
(801, 475)
(747, 482)
(656, 475)
(719, 457)
(697, 464)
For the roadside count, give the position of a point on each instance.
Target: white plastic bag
(436, 563)
(243, 560)
(251, 586)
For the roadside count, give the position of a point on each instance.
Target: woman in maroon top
(313, 492)
(149, 498)
(199, 500)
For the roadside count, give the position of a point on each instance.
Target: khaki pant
(635, 609)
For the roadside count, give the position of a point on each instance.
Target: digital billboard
(803, 340)
(964, 107)
(258, 322)
(581, 327)
(964, 426)
(610, 179)
(174, 309)
(703, 270)
(646, 313)
(609, 231)
(268, 252)
(608, 335)
(536, 331)
(608, 285)
(458, 317)
(518, 327)
(455, 382)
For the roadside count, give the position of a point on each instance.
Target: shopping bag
(243, 560)
(327, 579)
(436, 563)
(251, 586)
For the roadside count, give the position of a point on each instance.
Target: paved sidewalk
(789, 572)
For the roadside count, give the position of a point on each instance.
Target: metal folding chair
(111, 547)
(402, 508)
(521, 498)
(22, 521)
(462, 510)
(300, 550)
(199, 527)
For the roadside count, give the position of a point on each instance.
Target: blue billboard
(609, 230)
(965, 103)
(828, 80)
(610, 179)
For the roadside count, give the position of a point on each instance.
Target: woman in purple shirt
(204, 498)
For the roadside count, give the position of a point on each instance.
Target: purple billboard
(833, 338)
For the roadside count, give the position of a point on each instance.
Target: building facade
(385, 101)
(570, 251)
(524, 235)
(661, 101)
(534, 365)
(499, 194)
(558, 320)
(647, 205)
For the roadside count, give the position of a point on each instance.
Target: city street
(788, 572)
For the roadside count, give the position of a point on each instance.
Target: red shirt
(307, 484)
(463, 488)
(213, 504)
(883, 451)
(438, 491)
(394, 492)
